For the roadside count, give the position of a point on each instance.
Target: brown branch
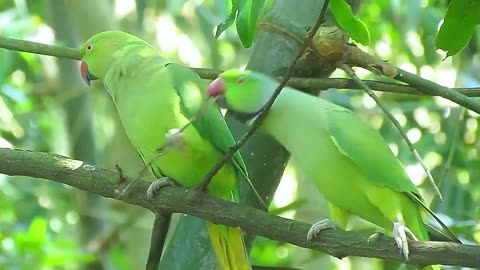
(353, 56)
(39, 48)
(337, 242)
(338, 83)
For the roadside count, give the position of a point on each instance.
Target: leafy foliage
(458, 27)
(37, 246)
(45, 225)
(246, 13)
(349, 22)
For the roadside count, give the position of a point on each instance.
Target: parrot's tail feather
(448, 233)
(229, 247)
(415, 224)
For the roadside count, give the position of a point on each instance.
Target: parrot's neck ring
(245, 117)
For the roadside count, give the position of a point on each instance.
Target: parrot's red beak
(216, 88)
(86, 75)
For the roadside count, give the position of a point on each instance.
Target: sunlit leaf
(64, 256)
(357, 29)
(248, 14)
(228, 21)
(38, 230)
(458, 26)
(6, 57)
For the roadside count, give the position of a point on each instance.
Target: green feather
(349, 162)
(210, 124)
(153, 96)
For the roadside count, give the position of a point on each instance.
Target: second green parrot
(349, 161)
(154, 98)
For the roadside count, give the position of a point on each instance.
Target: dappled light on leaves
(287, 191)
(50, 223)
(416, 173)
(123, 7)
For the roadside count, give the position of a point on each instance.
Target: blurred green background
(44, 106)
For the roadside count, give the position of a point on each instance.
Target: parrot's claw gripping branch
(400, 234)
(174, 138)
(158, 184)
(258, 121)
(318, 227)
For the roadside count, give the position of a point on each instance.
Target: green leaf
(38, 230)
(458, 26)
(343, 13)
(248, 13)
(228, 21)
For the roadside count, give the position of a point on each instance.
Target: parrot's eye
(89, 47)
(240, 80)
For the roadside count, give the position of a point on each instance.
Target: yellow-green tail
(229, 247)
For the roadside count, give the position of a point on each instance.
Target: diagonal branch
(397, 125)
(337, 242)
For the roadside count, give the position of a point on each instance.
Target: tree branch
(354, 56)
(39, 48)
(338, 243)
(210, 74)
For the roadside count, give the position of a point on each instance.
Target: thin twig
(207, 73)
(258, 121)
(369, 91)
(436, 89)
(357, 58)
(453, 147)
(39, 48)
(101, 243)
(342, 83)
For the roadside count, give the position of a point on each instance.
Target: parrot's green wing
(210, 123)
(374, 159)
(147, 91)
(349, 134)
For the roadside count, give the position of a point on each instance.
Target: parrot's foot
(400, 233)
(318, 227)
(121, 177)
(158, 184)
(175, 138)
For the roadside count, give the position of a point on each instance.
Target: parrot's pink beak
(86, 75)
(216, 88)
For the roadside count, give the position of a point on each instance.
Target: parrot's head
(98, 53)
(244, 92)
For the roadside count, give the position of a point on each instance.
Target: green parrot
(349, 161)
(156, 98)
